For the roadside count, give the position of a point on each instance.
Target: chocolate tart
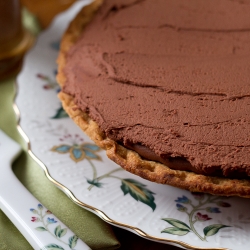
(165, 94)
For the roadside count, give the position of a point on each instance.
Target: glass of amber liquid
(14, 39)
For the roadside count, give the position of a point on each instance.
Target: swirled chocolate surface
(169, 79)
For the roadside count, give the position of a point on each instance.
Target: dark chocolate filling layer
(180, 163)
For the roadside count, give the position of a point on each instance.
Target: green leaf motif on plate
(213, 229)
(175, 231)
(52, 247)
(57, 230)
(60, 232)
(41, 229)
(95, 182)
(192, 210)
(60, 113)
(177, 223)
(138, 191)
(73, 241)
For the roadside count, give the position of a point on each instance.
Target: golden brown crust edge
(129, 159)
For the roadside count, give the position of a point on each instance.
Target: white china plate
(73, 163)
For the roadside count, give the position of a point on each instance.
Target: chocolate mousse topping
(169, 79)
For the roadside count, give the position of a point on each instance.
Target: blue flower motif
(40, 206)
(34, 211)
(213, 210)
(78, 152)
(183, 199)
(181, 208)
(51, 220)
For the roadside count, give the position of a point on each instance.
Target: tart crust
(129, 159)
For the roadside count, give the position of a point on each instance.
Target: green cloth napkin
(90, 228)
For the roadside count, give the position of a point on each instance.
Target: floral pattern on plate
(42, 216)
(180, 228)
(79, 151)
